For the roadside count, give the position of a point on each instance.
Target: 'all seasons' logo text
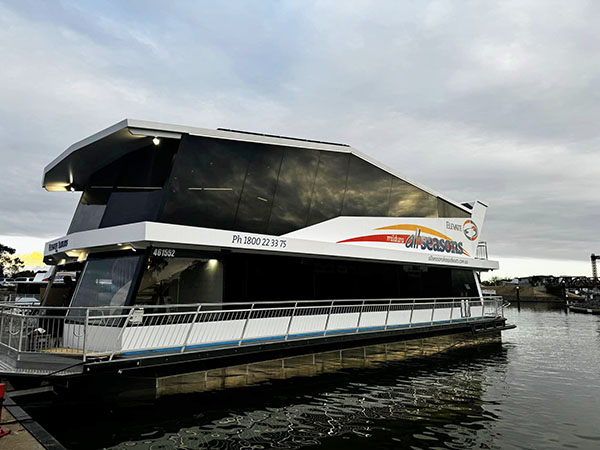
(470, 229)
(433, 244)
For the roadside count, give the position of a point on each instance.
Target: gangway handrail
(266, 302)
(124, 331)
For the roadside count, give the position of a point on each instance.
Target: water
(537, 389)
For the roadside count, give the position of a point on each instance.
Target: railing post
(452, 309)
(387, 315)
(246, 324)
(85, 333)
(10, 324)
(412, 309)
(362, 307)
(287, 332)
(433, 311)
(482, 305)
(328, 316)
(2, 313)
(191, 327)
(21, 333)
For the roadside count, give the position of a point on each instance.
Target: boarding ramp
(61, 340)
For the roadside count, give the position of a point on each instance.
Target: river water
(539, 388)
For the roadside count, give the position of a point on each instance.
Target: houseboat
(192, 245)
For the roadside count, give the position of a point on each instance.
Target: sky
(496, 101)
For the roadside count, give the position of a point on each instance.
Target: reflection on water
(353, 410)
(538, 389)
(315, 364)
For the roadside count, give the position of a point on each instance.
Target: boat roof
(72, 169)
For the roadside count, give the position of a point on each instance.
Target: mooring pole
(518, 299)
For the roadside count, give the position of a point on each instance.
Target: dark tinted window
(251, 277)
(90, 210)
(259, 188)
(294, 190)
(445, 209)
(407, 200)
(126, 190)
(330, 185)
(179, 281)
(131, 207)
(146, 168)
(367, 190)
(463, 283)
(206, 183)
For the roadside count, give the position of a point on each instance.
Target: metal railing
(481, 252)
(110, 332)
(29, 298)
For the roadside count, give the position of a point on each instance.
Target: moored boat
(202, 245)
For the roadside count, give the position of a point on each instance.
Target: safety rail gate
(110, 332)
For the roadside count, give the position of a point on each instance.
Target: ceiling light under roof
(156, 140)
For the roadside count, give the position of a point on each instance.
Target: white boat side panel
(173, 236)
(207, 332)
(99, 338)
(401, 317)
(343, 321)
(372, 319)
(308, 324)
(270, 326)
(399, 233)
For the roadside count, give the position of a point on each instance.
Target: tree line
(10, 265)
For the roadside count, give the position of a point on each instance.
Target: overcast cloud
(498, 101)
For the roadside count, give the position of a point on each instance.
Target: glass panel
(206, 183)
(367, 191)
(259, 189)
(463, 283)
(176, 281)
(90, 210)
(147, 168)
(105, 282)
(135, 181)
(256, 278)
(436, 282)
(410, 201)
(131, 207)
(330, 185)
(446, 209)
(294, 189)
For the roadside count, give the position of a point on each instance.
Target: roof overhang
(72, 169)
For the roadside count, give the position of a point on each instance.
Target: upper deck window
(245, 186)
(294, 190)
(126, 190)
(407, 200)
(367, 191)
(206, 184)
(330, 185)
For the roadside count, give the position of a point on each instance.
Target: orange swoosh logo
(415, 228)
